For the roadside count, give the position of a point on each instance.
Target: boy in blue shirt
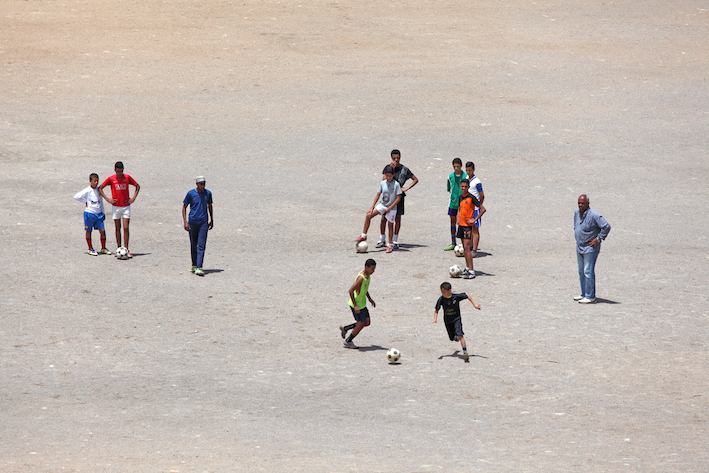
(200, 202)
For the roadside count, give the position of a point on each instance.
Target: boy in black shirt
(451, 314)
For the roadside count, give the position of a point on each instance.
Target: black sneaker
(343, 332)
(468, 274)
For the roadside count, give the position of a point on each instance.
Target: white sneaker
(578, 298)
(585, 300)
(381, 244)
(395, 245)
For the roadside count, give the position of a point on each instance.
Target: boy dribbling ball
(451, 315)
(359, 294)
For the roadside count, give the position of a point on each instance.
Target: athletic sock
(349, 327)
(350, 338)
(453, 232)
(382, 238)
(396, 237)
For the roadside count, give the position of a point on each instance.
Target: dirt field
(290, 109)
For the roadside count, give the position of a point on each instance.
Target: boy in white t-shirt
(390, 192)
(93, 214)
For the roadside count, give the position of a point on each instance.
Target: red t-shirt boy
(121, 200)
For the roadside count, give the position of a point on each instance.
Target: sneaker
(361, 238)
(92, 252)
(474, 253)
(194, 268)
(350, 345)
(130, 255)
(199, 272)
(450, 247)
(578, 298)
(389, 249)
(343, 332)
(468, 274)
(104, 251)
(466, 357)
(395, 245)
(586, 300)
(381, 244)
(456, 339)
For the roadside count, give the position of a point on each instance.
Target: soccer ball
(122, 253)
(459, 250)
(393, 355)
(455, 271)
(361, 247)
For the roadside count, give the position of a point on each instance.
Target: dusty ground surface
(290, 109)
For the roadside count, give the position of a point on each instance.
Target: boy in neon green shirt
(359, 293)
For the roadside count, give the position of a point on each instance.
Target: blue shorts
(92, 221)
(452, 212)
(475, 215)
(362, 316)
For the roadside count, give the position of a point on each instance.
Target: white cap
(201, 179)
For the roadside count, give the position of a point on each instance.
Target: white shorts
(390, 215)
(121, 212)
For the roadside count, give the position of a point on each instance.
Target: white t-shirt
(476, 187)
(389, 191)
(93, 200)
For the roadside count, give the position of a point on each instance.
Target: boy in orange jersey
(466, 220)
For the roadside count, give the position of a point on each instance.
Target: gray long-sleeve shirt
(587, 227)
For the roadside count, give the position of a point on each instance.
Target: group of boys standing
(465, 210)
(93, 197)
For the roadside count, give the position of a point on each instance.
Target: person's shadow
(605, 301)
(458, 354)
(372, 348)
(210, 271)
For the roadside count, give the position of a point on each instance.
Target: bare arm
(100, 191)
(137, 189)
(394, 204)
(211, 216)
(472, 221)
(435, 316)
(414, 181)
(477, 306)
(357, 286)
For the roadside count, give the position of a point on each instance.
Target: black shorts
(465, 233)
(455, 328)
(400, 205)
(362, 316)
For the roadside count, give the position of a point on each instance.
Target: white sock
(396, 237)
(382, 237)
(364, 235)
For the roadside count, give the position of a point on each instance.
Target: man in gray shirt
(590, 229)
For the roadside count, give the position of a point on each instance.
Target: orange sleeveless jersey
(467, 209)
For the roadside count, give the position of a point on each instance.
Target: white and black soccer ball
(122, 253)
(455, 271)
(459, 250)
(361, 247)
(393, 355)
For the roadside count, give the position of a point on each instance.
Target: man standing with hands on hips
(590, 229)
(200, 202)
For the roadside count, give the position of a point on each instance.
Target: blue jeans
(198, 242)
(587, 273)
